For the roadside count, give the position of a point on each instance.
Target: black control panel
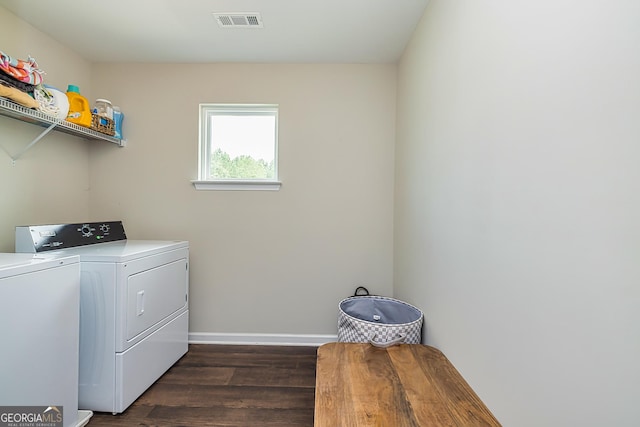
(62, 236)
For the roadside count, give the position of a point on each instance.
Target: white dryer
(134, 306)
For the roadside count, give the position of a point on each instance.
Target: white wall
(517, 203)
(261, 262)
(49, 183)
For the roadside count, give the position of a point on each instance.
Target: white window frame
(206, 182)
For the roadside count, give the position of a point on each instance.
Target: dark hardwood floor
(227, 385)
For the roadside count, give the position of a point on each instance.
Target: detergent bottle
(118, 117)
(79, 109)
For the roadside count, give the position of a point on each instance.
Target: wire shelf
(16, 111)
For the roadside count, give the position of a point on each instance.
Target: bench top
(404, 385)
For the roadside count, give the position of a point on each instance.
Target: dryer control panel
(41, 238)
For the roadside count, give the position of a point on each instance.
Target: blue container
(118, 117)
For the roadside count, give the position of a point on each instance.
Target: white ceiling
(300, 31)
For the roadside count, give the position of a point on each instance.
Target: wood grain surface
(402, 386)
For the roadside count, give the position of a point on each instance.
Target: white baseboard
(260, 339)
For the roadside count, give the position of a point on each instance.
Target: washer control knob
(86, 230)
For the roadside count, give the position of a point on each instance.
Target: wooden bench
(404, 385)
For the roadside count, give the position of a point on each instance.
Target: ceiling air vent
(239, 20)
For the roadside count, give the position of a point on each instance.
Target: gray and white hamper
(381, 321)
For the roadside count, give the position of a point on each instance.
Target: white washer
(39, 324)
(134, 311)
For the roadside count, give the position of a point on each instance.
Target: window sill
(237, 185)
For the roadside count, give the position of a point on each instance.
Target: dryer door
(153, 297)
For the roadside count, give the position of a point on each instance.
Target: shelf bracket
(34, 142)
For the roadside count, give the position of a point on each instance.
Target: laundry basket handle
(361, 291)
(379, 344)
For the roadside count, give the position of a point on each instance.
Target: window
(238, 147)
